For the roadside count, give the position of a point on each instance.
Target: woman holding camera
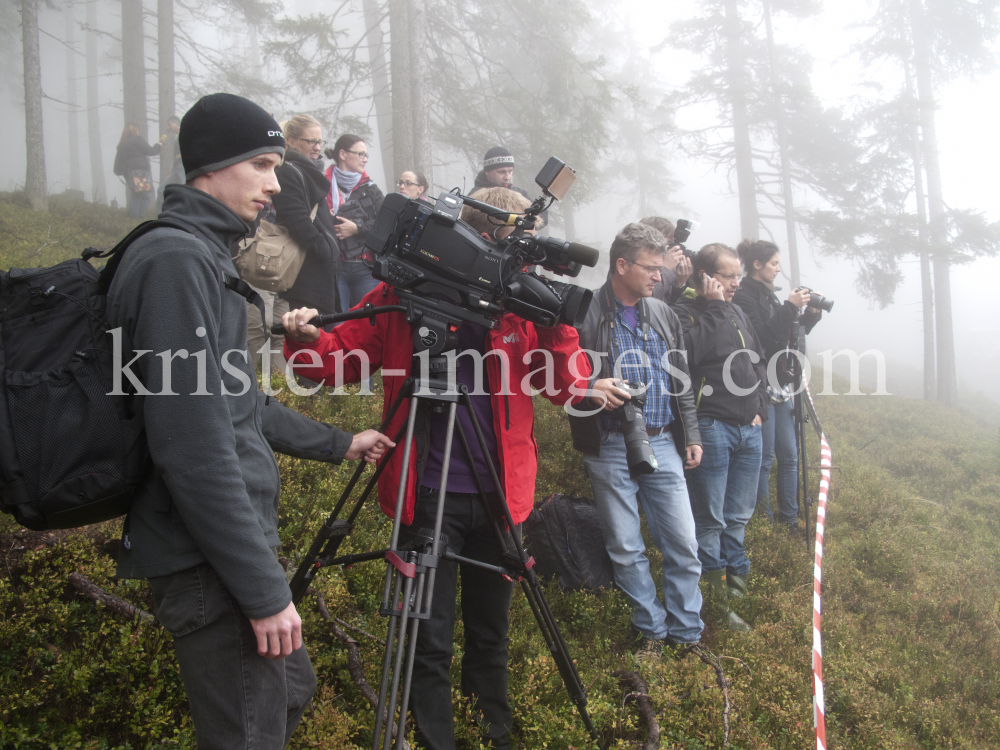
(728, 377)
(774, 323)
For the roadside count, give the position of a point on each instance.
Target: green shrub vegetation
(910, 603)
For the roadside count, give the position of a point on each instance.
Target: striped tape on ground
(819, 705)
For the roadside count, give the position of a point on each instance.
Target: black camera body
(638, 452)
(450, 274)
(818, 300)
(681, 233)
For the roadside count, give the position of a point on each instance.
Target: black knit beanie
(223, 129)
(496, 158)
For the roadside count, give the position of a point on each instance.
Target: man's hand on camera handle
(278, 635)
(674, 257)
(693, 456)
(606, 391)
(799, 297)
(370, 445)
(297, 326)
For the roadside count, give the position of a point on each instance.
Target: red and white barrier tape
(819, 707)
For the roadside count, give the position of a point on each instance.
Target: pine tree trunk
(745, 179)
(380, 87)
(98, 187)
(418, 90)
(399, 70)
(72, 116)
(165, 80)
(134, 67)
(947, 374)
(926, 284)
(788, 198)
(35, 183)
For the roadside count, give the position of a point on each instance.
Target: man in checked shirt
(631, 336)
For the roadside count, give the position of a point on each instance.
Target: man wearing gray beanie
(202, 526)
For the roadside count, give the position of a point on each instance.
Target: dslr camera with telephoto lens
(638, 452)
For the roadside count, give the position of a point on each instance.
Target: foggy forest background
(698, 110)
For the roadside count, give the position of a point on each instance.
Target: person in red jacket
(518, 356)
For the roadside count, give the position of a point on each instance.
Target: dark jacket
(713, 331)
(595, 338)
(361, 207)
(771, 319)
(134, 154)
(303, 185)
(212, 493)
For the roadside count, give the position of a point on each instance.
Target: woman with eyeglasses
(413, 184)
(304, 187)
(354, 200)
(727, 364)
(774, 320)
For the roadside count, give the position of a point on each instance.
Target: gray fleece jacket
(212, 493)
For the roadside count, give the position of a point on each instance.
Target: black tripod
(408, 590)
(802, 413)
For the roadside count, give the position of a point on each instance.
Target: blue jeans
(723, 491)
(664, 499)
(353, 283)
(778, 434)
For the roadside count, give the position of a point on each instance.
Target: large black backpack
(71, 454)
(564, 535)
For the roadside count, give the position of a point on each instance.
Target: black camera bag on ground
(564, 535)
(70, 453)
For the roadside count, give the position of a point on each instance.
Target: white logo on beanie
(275, 134)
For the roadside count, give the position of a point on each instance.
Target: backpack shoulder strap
(115, 255)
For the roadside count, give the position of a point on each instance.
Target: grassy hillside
(910, 615)
(42, 238)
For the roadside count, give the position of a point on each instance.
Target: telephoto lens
(819, 301)
(638, 452)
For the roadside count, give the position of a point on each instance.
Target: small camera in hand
(638, 452)
(817, 301)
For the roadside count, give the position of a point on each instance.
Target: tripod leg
(417, 597)
(804, 463)
(325, 544)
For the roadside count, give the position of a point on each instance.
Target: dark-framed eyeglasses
(363, 155)
(312, 142)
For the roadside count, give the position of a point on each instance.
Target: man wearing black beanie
(498, 171)
(202, 526)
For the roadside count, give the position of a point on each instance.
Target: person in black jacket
(728, 377)
(132, 163)
(773, 322)
(303, 188)
(354, 201)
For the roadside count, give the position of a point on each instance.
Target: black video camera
(638, 452)
(449, 274)
(681, 233)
